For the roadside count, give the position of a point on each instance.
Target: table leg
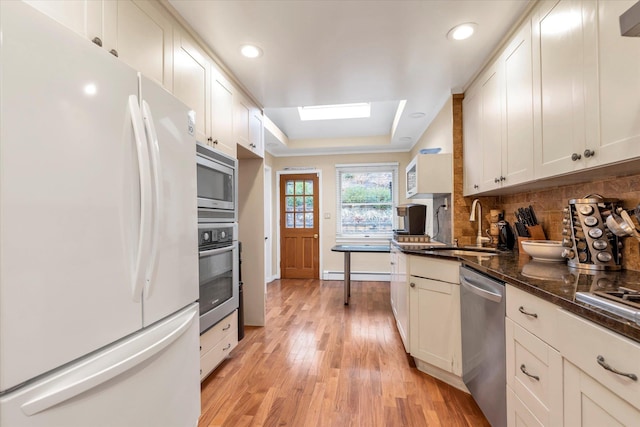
(347, 277)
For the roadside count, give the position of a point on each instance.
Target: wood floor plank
(320, 363)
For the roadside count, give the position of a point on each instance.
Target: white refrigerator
(98, 229)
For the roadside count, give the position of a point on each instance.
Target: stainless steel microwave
(217, 185)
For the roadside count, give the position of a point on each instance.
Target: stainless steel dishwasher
(482, 305)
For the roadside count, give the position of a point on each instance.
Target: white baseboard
(370, 276)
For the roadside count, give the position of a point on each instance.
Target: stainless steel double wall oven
(217, 235)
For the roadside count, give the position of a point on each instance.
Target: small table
(347, 249)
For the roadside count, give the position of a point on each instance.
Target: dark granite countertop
(555, 282)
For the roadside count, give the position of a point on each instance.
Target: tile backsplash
(549, 203)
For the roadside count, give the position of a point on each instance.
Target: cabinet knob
(413, 285)
(496, 180)
(575, 157)
(476, 186)
(97, 41)
(215, 142)
(589, 153)
(502, 178)
(114, 52)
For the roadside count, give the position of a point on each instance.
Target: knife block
(535, 233)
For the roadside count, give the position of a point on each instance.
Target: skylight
(338, 111)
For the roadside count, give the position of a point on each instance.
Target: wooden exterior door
(300, 245)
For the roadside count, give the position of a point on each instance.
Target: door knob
(315, 236)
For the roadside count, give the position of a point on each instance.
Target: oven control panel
(215, 236)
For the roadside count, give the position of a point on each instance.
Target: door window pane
(289, 219)
(308, 187)
(289, 188)
(288, 202)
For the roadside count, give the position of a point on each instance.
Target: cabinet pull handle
(606, 366)
(227, 347)
(413, 285)
(227, 327)
(524, 371)
(97, 41)
(521, 310)
(114, 52)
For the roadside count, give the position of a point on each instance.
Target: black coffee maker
(414, 216)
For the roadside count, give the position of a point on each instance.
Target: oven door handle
(218, 251)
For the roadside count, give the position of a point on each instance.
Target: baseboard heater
(371, 276)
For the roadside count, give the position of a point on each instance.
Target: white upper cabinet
(136, 31)
(518, 129)
(248, 126)
(498, 120)
(491, 126)
(256, 131)
(560, 62)
(619, 85)
(472, 141)
(143, 38)
(222, 113)
(586, 71)
(192, 83)
(82, 16)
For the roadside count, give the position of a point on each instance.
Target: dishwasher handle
(485, 289)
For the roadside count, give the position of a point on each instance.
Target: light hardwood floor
(319, 363)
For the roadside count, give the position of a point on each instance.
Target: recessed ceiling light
(462, 31)
(250, 51)
(417, 115)
(337, 111)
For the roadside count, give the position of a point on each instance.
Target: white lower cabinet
(534, 366)
(565, 370)
(595, 395)
(400, 294)
(217, 343)
(534, 376)
(590, 404)
(434, 318)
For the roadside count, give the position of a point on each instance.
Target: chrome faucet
(480, 240)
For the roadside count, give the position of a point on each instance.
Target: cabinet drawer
(541, 389)
(213, 336)
(212, 358)
(437, 269)
(533, 314)
(518, 414)
(582, 343)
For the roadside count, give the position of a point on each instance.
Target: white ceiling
(319, 52)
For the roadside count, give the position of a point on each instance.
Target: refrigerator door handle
(142, 257)
(156, 169)
(111, 363)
